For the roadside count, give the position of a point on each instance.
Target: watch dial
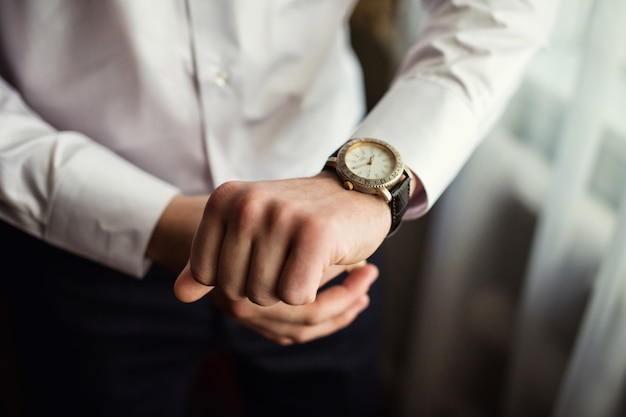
(370, 160)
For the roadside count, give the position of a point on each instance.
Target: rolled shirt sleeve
(454, 83)
(73, 193)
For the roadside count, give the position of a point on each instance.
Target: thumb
(187, 289)
(334, 270)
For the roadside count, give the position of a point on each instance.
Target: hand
(273, 241)
(335, 308)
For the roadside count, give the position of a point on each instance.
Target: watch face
(370, 160)
(369, 164)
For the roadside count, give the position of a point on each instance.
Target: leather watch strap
(399, 202)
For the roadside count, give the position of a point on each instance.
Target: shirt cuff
(105, 209)
(433, 128)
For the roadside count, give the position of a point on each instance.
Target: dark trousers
(94, 342)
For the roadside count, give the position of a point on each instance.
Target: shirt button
(222, 78)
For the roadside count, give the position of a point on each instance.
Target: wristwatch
(373, 166)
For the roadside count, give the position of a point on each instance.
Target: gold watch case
(358, 155)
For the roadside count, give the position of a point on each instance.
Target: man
(131, 128)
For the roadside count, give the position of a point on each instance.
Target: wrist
(171, 239)
(353, 203)
(375, 167)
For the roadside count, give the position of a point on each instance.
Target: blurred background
(509, 297)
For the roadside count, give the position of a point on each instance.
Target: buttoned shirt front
(110, 108)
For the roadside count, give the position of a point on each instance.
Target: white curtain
(520, 301)
(592, 383)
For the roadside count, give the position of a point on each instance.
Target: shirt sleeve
(454, 83)
(73, 193)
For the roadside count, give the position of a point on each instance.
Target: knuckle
(262, 300)
(221, 196)
(199, 274)
(295, 298)
(231, 292)
(249, 209)
(260, 291)
(280, 214)
(226, 189)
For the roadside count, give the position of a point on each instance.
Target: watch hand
(370, 163)
(361, 165)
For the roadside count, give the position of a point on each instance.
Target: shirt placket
(215, 55)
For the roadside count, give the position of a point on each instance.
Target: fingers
(304, 266)
(206, 245)
(329, 302)
(187, 289)
(253, 250)
(289, 334)
(267, 263)
(232, 276)
(334, 309)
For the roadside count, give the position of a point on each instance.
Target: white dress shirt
(108, 108)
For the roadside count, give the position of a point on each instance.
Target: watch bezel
(367, 185)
